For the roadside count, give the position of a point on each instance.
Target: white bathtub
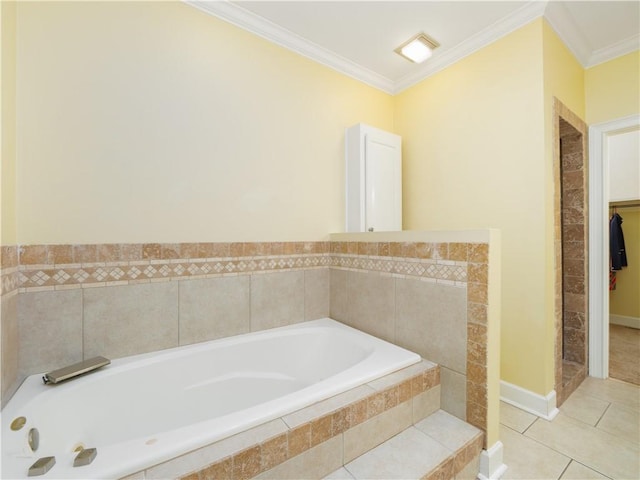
(145, 409)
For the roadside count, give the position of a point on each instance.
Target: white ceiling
(358, 37)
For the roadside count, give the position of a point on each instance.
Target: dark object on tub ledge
(75, 370)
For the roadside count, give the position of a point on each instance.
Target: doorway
(599, 136)
(571, 247)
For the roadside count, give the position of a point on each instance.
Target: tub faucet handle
(41, 466)
(85, 457)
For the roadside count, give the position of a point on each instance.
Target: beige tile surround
(120, 275)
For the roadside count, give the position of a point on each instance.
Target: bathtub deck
(438, 447)
(379, 423)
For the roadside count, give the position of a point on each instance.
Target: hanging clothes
(616, 243)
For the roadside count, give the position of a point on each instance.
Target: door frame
(599, 239)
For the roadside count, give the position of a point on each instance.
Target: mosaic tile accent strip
(432, 269)
(47, 267)
(97, 274)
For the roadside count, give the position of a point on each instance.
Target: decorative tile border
(49, 267)
(445, 271)
(97, 274)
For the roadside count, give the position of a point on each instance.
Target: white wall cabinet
(374, 180)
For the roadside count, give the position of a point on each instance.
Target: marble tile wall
(571, 211)
(573, 245)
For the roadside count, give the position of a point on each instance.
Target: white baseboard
(633, 322)
(542, 406)
(491, 464)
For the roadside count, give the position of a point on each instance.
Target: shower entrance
(571, 251)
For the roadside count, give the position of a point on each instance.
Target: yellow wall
(612, 89)
(625, 300)
(8, 122)
(157, 122)
(474, 156)
(564, 80)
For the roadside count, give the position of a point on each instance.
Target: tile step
(439, 447)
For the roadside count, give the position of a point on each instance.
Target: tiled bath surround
(443, 319)
(314, 441)
(82, 300)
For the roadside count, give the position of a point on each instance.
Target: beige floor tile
(612, 390)
(577, 471)
(527, 459)
(410, 454)
(514, 418)
(624, 350)
(622, 422)
(594, 448)
(340, 474)
(584, 407)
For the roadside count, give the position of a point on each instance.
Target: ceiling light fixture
(417, 49)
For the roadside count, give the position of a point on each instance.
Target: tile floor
(596, 435)
(624, 352)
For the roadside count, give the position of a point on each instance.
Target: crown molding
(268, 30)
(262, 27)
(565, 27)
(554, 12)
(602, 55)
(499, 29)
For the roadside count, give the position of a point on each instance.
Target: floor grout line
(591, 468)
(566, 468)
(603, 414)
(531, 425)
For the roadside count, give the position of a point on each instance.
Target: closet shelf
(625, 204)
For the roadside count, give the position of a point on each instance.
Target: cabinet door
(383, 185)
